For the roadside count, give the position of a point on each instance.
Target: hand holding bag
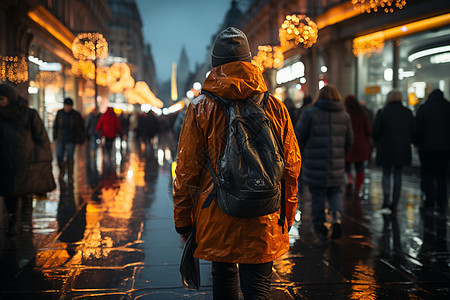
(189, 265)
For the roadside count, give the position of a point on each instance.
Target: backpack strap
(213, 192)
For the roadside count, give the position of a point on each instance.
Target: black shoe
(336, 231)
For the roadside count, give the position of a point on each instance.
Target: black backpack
(249, 180)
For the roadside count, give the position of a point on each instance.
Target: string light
(90, 46)
(147, 95)
(367, 45)
(268, 57)
(13, 69)
(298, 29)
(46, 78)
(366, 6)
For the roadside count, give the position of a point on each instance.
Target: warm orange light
(269, 57)
(147, 95)
(13, 69)
(378, 38)
(385, 5)
(298, 29)
(46, 78)
(46, 20)
(119, 78)
(90, 46)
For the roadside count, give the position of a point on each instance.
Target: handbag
(189, 265)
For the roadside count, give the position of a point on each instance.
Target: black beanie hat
(9, 92)
(68, 101)
(230, 45)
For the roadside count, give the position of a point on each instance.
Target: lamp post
(90, 46)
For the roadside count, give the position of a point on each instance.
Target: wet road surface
(111, 236)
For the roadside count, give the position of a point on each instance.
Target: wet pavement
(111, 236)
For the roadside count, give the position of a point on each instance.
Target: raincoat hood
(235, 80)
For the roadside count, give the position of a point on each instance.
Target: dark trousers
(434, 170)
(254, 279)
(386, 182)
(109, 142)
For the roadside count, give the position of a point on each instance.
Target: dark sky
(170, 24)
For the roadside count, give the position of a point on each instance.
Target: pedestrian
(109, 125)
(124, 123)
(93, 135)
(149, 129)
(68, 130)
(293, 111)
(325, 136)
(251, 242)
(433, 142)
(25, 157)
(361, 148)
(393, 133)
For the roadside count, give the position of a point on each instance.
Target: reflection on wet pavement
(111, 236)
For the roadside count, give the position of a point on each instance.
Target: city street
(111, 236)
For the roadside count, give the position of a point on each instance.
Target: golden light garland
(84, 68)
(133, 96)
(89, 46)
(147, 95)
(365, 6)
(13, 69)
(119, 78)
(268, 57)
(49, 78)
(367, 45)
(102, 76)
(298, 29)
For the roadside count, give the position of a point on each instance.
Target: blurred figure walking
(25, 156)
(361, 148)
(433, 141)
(393, 133)
(325, 136)
(93, 135)
(109, 125)
(68, 130)
(149, 129)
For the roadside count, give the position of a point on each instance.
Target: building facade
(40, 34)
(366, 54)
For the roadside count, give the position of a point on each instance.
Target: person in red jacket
(361, 148)
(109, 125)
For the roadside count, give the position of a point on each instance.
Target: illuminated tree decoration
(365, 6)
(368, 45)
(298, 29)
(90, 46)
(268, 57)
(13, 69)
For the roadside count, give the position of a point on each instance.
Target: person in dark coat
(93, 135)
(68, 130)
(149, 128)
(433, 142)
(393, 133)
(25, 155)
(361, 148)
(109, 126)
(293, 111)
(325, 136)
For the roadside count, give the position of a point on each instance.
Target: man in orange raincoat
(253, 243)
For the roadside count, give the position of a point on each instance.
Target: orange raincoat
(221, 237)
